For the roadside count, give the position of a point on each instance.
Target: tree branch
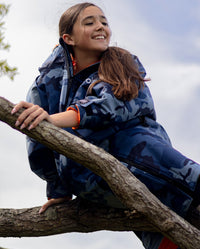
(130, 191)
(72, 216)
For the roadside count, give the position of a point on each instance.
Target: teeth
(99, 37)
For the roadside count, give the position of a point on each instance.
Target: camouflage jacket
(126, 129)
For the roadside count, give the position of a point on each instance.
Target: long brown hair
(117, 66)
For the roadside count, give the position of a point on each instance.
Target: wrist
(64, 119)
(50, 119)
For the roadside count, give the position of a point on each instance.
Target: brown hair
(70, 16)
(117, 66)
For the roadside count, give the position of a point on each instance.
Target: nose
(99, 26)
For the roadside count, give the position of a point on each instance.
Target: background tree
(5, 69)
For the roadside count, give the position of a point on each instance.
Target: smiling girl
(99, 93)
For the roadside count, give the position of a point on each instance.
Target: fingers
(39, 116)
(31, 116)
(45, 206)
(27, 116)
(52, 202)
(20, 105)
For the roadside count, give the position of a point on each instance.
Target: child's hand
(52, 202)
(31, 117)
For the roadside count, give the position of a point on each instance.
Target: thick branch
(132, 193)
(73, 216)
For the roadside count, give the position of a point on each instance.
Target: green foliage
(5, 69)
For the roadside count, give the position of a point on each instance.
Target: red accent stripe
(78, 116)
(167, 244)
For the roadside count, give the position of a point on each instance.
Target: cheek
(82, 37)
(87, 33)
(109, 32)
(83, 34)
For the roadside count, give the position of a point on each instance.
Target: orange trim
(74, 64)
(55, 46)
(78, 115)
(167, 244)
(92, 63)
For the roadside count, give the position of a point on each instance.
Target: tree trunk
(130, 191)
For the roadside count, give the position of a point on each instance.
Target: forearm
(34, 114)
(64, 119)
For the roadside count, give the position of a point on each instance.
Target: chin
(102, 49)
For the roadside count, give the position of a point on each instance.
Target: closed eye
(89, 23)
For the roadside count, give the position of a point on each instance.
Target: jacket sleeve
(42, 160)
(102, 108)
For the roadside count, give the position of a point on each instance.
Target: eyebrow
(90, 17)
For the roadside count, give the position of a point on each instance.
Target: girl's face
(91, 33)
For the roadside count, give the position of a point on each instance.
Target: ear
(68, 39)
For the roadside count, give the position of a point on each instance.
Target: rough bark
(131, 192)
(72, 216)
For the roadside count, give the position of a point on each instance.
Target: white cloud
(175, 89)
(98, 240)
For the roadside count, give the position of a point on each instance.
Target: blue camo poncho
(126, 129)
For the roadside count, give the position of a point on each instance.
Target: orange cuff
(78, 116)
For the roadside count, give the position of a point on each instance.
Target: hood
(68, 60)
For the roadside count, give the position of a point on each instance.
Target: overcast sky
(165, 35)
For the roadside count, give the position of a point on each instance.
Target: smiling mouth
(99, 37)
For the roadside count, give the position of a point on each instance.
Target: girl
(99, 93)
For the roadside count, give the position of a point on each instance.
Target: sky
(165, 35)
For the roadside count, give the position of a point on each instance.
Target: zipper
(147, 169)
